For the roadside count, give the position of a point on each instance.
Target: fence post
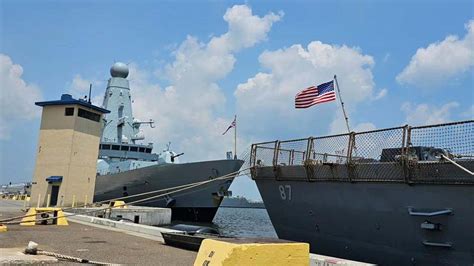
(39, 198)
(275, 153)
(407, 168)
(309, 148)
(276, 168)
(251, 161)
(48, 199)
(349, 163)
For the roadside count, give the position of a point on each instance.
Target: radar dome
(119, 70)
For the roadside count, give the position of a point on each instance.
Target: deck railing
(415, 152)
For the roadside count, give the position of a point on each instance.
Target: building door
(54, 195)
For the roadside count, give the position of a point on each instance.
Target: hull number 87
(285, 192)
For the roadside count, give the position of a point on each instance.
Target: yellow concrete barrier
(118, 204)
(249, 252)
(3, 228)
(32, 215)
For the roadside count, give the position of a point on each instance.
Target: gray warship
(397, 196)
(127, 167)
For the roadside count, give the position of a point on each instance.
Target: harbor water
(244, 222)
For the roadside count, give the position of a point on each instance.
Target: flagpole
(235, 137)
(342, 104)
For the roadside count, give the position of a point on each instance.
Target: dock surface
(90, 242)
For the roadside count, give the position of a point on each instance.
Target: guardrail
(401, 154)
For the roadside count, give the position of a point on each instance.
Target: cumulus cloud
(266, 101)
(190, 111)
(382, 93)
(17, 97)
(440, 61)
(425, 114)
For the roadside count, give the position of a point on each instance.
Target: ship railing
(398, 154)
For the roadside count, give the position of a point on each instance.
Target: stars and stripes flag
(233, 124)
(314, 95)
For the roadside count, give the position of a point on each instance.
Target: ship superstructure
(397, 196)
(121, 148)
(128, 166)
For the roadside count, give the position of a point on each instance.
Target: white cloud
(440, 61)
(382, 93)
(16, 96)
(425, 114)
(266, 101)
(187, 111)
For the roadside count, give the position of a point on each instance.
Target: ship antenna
(90, 90)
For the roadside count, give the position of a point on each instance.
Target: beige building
(68, 148)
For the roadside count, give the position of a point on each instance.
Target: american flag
(314, 95)
(233, 124)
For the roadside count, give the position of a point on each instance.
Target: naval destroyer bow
(126, 166)
(397, 196)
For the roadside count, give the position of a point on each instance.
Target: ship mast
(342, 105)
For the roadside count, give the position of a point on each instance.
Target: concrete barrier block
(252, 252)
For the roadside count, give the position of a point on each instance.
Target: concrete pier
(104, 240)
(89, 242)
(136, 214)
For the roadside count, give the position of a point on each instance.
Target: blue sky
(195, 64)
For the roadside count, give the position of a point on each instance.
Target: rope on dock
(172, 191)
(71, 258)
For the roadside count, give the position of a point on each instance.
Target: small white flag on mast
(233, 125)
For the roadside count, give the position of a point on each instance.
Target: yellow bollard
(3, 228)
(119, 204)
(39, 198)
(48, 199)
(85, 201)
(73, 201)
(31, 216)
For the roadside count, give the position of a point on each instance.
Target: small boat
(190, 237)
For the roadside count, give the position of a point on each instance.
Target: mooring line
(188, 186)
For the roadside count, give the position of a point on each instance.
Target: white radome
(119, 70)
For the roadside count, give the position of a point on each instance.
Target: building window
(133, 148)
(124, 148)
(69, 111)
(88, 115)
(115, 147)
(105, 147)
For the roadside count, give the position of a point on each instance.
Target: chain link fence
(263, 153)
(400, 154)
(291, 152)
(377, 155)
(431, 147)
(330, 149)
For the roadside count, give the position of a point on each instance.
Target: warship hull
(197, 204)
(372, 222)
(411, 205)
